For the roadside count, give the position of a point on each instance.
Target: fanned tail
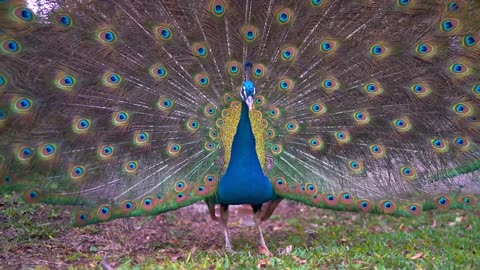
(127, 108)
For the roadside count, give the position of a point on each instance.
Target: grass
(300, 237)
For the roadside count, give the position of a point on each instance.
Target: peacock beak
(249, 102)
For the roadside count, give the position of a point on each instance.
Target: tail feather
(120, 106)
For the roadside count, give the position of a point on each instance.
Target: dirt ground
(171, 234)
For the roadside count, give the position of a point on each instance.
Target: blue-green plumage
(244, 181)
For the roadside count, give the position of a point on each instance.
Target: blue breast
(244, 181)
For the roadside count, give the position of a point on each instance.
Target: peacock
(134, 108)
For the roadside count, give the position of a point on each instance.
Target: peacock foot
(230, 250)
(263, 250)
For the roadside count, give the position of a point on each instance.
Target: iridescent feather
(130, 108)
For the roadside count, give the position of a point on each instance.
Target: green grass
(315, 239)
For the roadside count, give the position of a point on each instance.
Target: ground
(300, 237)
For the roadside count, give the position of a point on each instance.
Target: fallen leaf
(416, 256)
(286, 250)
(263, 263)
(359, 262)
(176, 257)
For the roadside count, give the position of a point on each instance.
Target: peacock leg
(271, 206)
(211, 210)
(257, 218)
(224, 221)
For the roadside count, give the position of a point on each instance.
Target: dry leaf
(416, 256)
(460, 219)
(286, 250)
(176, 257)
(263, 263)
(359, 261)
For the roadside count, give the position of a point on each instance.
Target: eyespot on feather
(107, 36)
(127, 206)
(414, 209)
(288, 53)
(373, 89)
(364, 205)
(234, 68)
(120, 119)
(25, 153)
(450, 25)
(342, 136)
(158, 71)
(165, 104)
(10, 46)
(420, 90)
(310, 188)
(318, 108)
(377, 150)
(23, 15)
(148, 203)
(200, 50)
(292, 127)
(210, 180)
(218, 7)
(32, 196)
(388, 207)
(163, 32)
(280, 183)
(276, 149)
(361, 117)
(63, 20)
(439, 145)
(443, 202)
(81, 217)
(408, 172)
(104, 212)
(330, 199)
(180, 186)
(284, 16)
(402, 124)
(21, 105)
(379, 51)
(346, 198)
(47, 151)
(81, 125)
(250, 33)
(77, 172)
(467, 200)
(141, 138)
(259, 71)
(130, 167)
(173, 149)
(315, 144)
(285, 84)
(355, 166)
(328, 46)
(105, 152)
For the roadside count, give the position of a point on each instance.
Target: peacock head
(247, 93)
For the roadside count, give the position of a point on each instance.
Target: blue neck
(244, 181)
